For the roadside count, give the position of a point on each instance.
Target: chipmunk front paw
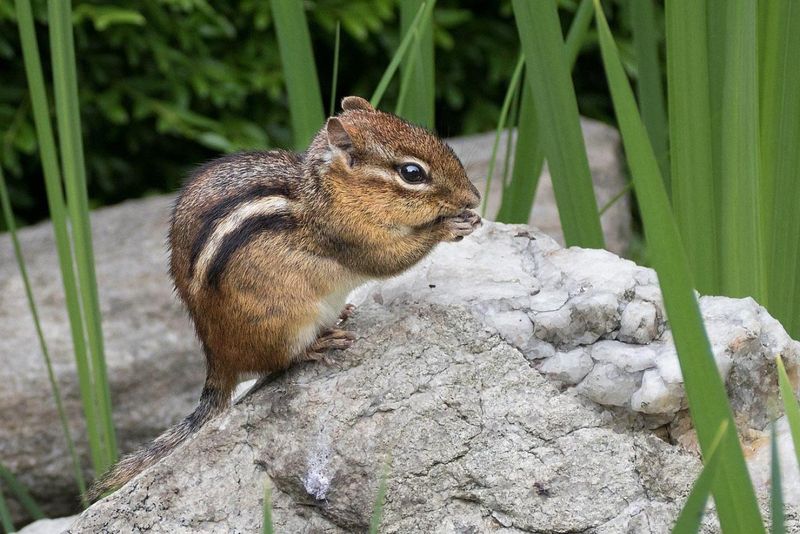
(463, 224)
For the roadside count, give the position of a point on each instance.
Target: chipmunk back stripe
(244, 233)
(224, 208)
(266, 206)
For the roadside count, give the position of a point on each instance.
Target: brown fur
(348, 221)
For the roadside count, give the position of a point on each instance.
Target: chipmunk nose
(473, 199)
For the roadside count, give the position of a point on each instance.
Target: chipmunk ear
(352, 103)
(338, 138)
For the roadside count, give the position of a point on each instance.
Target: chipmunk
(266, 246)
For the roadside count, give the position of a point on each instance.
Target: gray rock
(605, 163)
(475, 440)
(49, 526)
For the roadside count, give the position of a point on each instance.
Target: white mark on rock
(317, 481)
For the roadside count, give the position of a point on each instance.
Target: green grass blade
(692, 513)
(557, 109)
(790, 405)
(423, 14)
(518, 196)
(409, 74)
(335, 79)
(516, 76)
(5, 515)
(649, 87)
(5, 207)
(266, 524)
(380, 500)
(733, 493)
(419, 107)
(71, 148)
(740, 228)
(776, 490)
(55, 200)
(780, 159)
(23, 496)
(297, 58)
(693, 199)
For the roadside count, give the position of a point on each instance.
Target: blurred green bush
(167, 84)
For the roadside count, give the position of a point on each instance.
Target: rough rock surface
(603, 150)
(475, 439)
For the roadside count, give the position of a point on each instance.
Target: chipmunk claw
(331, 339)
(347, 312)
(462, 225)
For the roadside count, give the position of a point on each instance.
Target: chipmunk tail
(214, 399)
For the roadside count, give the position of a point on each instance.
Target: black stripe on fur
(246, 232)
(224, 208)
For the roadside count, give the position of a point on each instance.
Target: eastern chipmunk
(266, 246)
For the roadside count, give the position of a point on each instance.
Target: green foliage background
(167, 84)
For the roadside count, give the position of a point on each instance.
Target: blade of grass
(55, 200)
(5, 207)
(693, 199)
(557, 108)
(790, 405)
(740, 235)
(733, 493)
(266, 525)
(335, 79)
(514, 114)
(421, 94)
(413, 58)
(71, 148)
(297, 58)
(776, 490)
(380, 500)
(648, 85)
(692, 513)
(22, 493)
(780, 159)
(518, 196)
(424, 13)
(5, 515)
(516, 76)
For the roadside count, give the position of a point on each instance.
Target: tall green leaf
(518, 195)
(297, 58)
(776, 490)
(422, 93)
(266, 522)
(649, 87)
(423, 14)
(557, 110)
(740, 228)
(65, 85)
(501, 125)
(335, 75)
(790, 405)
(693, 199)
(5, 515)
(380, 500)
(733, 493)
(55, 201)
(780, 157)
(691, 515)
(5, 207)
(21, 492)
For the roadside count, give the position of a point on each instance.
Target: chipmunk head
(391, 171)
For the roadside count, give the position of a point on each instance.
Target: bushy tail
(214, 400)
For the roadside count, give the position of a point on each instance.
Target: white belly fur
(329, 309)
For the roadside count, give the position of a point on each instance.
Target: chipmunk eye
(412, 173)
